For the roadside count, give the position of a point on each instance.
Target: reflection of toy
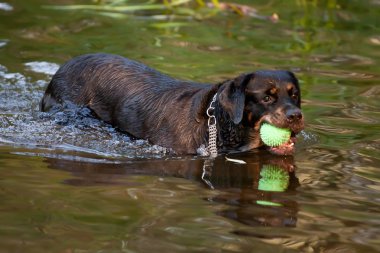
(274, 136)
(273, 178)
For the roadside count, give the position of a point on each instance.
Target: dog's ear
(232, 96)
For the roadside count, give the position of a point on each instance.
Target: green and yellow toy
(273, 136)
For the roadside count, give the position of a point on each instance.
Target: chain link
(212, 130)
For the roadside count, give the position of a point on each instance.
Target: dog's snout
(294, 115)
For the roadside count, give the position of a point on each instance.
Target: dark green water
(70, 183)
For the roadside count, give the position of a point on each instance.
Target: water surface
(71, 183)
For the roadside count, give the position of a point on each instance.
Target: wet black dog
(172, 113)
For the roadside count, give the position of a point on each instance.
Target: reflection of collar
(212, 130)
(207, 172)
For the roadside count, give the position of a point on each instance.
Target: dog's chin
(284, 149)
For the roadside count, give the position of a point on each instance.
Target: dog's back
(131, 96)
(85, 77)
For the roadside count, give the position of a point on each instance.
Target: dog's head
(264, 96)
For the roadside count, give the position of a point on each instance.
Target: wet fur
(169, 112)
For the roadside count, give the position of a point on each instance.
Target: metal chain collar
(212, 130)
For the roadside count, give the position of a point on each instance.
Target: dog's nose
(294, 115)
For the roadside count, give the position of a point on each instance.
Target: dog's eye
(267, 99)
(295, 96)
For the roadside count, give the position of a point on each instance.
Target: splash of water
(69, 128)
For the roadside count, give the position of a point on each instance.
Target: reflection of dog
(172, 113)
(239, 187)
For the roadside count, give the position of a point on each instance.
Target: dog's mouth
(287, 148)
